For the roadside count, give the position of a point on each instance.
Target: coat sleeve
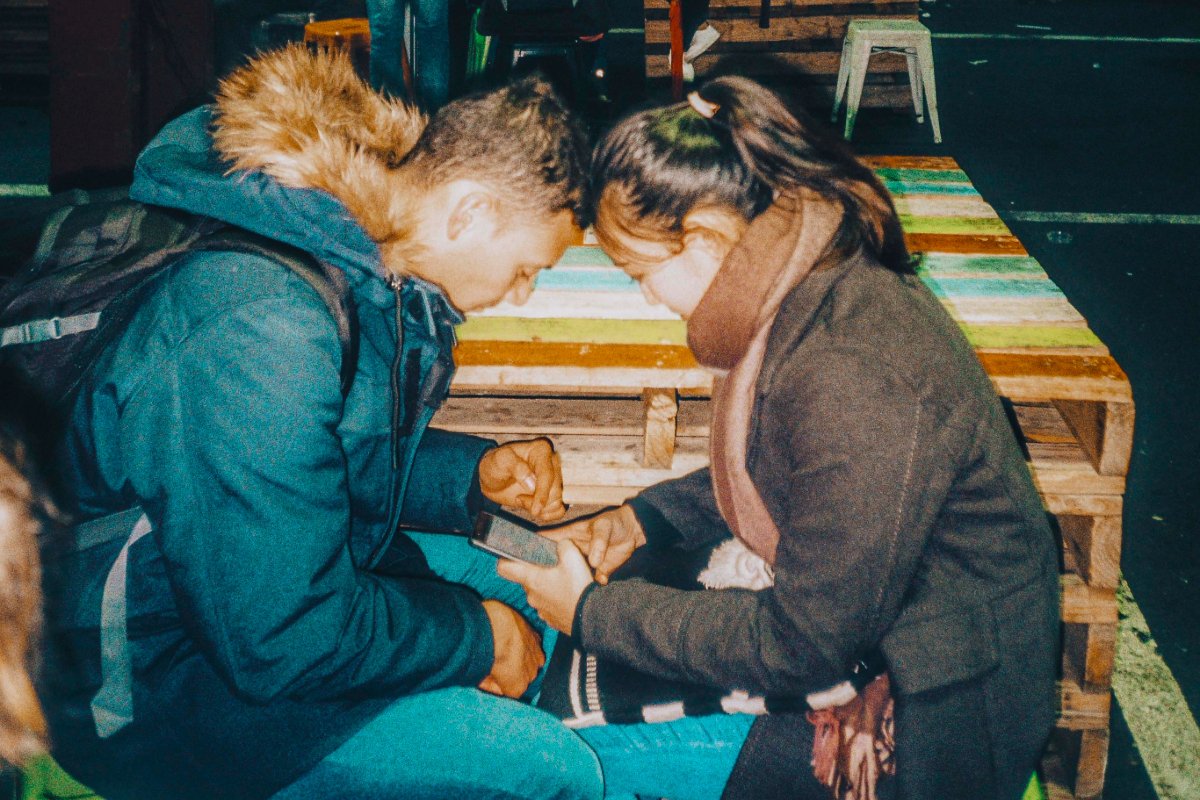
(231, 444)
(842, 465)
(681, 512)
(443, 492)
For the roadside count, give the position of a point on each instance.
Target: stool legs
(914, 83)
(843, 74)
(860, 57)
(925, 57)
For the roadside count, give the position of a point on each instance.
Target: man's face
(480, 255)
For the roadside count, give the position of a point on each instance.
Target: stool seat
(352, 33)
(867, 36)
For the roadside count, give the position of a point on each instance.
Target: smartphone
(509, 537)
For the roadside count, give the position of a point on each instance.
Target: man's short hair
(519, 138)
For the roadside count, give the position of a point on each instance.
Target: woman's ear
(714, 228)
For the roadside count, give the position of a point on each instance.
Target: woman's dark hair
(667, 161)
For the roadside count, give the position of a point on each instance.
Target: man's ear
(715, 228)
(474, 211)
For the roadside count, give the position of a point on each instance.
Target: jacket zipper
(397, 366)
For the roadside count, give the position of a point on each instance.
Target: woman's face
(673, 274)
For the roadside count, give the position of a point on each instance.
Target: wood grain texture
(658, 440)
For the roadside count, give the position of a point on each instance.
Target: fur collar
(309, 121)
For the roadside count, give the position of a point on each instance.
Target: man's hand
(609, 539)
(518, 649)
(553, 591)
(525, 475)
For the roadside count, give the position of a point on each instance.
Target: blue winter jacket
(274, 609)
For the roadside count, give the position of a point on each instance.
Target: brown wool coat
(909, 523)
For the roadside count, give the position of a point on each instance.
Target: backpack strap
(112, 705)
(328, 282)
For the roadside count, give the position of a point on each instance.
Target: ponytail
(736, 144)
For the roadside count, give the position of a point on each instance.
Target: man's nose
(648, 293)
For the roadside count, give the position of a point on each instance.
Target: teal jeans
(687, 759)
(458, 742)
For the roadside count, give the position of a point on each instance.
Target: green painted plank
(1029, 336)
(588, 255)
(983, 226)
(923, 175)
(927, 187)
(594, 331)
(951, 263)
(1000, 288)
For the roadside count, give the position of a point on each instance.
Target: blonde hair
(22, 725)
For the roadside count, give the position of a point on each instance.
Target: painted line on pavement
(1163, 727)
(1069, 37)
(1102, 218)
(24, 190)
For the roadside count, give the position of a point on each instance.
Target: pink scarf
(728, 332)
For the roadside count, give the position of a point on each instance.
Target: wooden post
(662, 409)
(676, 16)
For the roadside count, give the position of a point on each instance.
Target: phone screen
(510, 539)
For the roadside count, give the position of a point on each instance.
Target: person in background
(23, 511)
(698, 35)
(246, 609)
(431, 41)
(859, 456)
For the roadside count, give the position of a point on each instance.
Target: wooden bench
(611, 380)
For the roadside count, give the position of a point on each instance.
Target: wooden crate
(803, 41)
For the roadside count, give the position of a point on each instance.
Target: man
(266, 629)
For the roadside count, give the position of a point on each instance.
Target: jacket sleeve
(681, 512)
(231, 444)
(843, 465)
(443, 492)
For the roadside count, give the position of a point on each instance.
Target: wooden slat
(1082, 710)
(1107, 505)
(911, 162)
(784, 31)
(953, 243)
(1088, 652)
(1034, 377)
(658, 441)
(1105, 430)
(1092, 545)
(1085, 605)
(526, 366)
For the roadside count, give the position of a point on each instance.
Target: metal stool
(867, 36)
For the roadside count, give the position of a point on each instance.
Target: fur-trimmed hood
(298, 148)
(309, 121)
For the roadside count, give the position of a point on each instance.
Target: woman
(22, 726)
(858, 450)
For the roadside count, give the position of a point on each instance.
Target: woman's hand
(525, 475)
(518, 651)
(553, 591)
(609, 539)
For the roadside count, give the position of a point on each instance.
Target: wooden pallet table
(610, 379)
(800, 38)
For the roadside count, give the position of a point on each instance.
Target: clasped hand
(608, 539)
(525, 475)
